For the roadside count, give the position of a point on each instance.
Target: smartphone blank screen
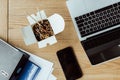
(69, 64)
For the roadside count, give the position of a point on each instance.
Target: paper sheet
(52, 77)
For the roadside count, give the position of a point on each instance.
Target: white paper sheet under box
(52, 77)
(57, 23)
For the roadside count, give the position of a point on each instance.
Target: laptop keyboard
(99, 20)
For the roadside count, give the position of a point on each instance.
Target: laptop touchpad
(106, 55)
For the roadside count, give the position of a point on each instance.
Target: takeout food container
(43, 35)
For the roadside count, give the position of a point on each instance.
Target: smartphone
(69, 64)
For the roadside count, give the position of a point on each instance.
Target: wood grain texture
(18, 10)
(3, 19)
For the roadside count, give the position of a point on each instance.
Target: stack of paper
(46, 67)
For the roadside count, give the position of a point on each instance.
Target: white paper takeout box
(56, 21)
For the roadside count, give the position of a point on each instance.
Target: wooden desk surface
(13, 18)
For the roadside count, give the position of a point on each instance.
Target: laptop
(97, 23)
(11, 61)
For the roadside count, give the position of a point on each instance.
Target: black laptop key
(80, 25)
(83, 32)
(92, 13)
(115, 5)
(105, 17)
(77, 18)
